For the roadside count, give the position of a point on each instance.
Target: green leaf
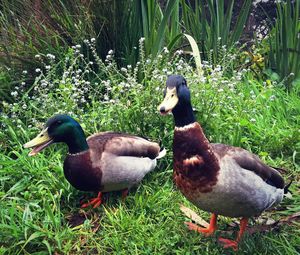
(196, 54)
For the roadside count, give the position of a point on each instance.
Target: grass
(39, 210)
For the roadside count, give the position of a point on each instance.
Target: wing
(122, 144)
(251, 162)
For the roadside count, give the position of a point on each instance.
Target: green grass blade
(196, 54)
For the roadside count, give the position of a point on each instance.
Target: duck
(103, 162)
(217, 178)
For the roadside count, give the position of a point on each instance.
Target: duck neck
(183, 115)
(76, 141)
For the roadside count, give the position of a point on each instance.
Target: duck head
(59, 128)
(177, 99)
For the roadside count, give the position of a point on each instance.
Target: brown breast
(81, 173)
(194, 163)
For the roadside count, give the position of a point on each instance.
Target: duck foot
(227, 243)
(95, 202)
(206, 231)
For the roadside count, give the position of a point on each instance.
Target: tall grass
(284, 41)
(211, 24)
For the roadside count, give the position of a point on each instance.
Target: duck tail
(162, 153)
(286, 187)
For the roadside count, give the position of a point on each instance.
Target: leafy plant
(284, 54)
(211, 24)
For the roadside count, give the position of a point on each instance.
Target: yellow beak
(170, 101)
(39, 143)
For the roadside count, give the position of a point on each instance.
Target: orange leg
(124, 194)
(206, 231)
(227, 243)
(95, 202)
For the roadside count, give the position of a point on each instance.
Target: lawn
(40, 211)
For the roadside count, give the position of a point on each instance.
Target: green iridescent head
(59, 128)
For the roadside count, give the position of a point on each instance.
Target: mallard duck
(217, 178)
(107, 161)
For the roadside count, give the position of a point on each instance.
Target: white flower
(48, 67)
(110, 52)
(37, 56)
(123, 69)
(142, 39)
(24, 72)
(14, 93)
(179, 52)
(93, 40)
(50, 56)
(38, 70)
(253, 120)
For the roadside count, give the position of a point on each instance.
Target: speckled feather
(222, 179)
(114, 161)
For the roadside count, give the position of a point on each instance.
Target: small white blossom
(50, 56)
(14, 93)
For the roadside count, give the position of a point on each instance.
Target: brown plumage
(84, 170)
(199, 174)
(218, 178)
(103, 162)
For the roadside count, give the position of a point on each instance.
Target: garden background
(105, 63)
